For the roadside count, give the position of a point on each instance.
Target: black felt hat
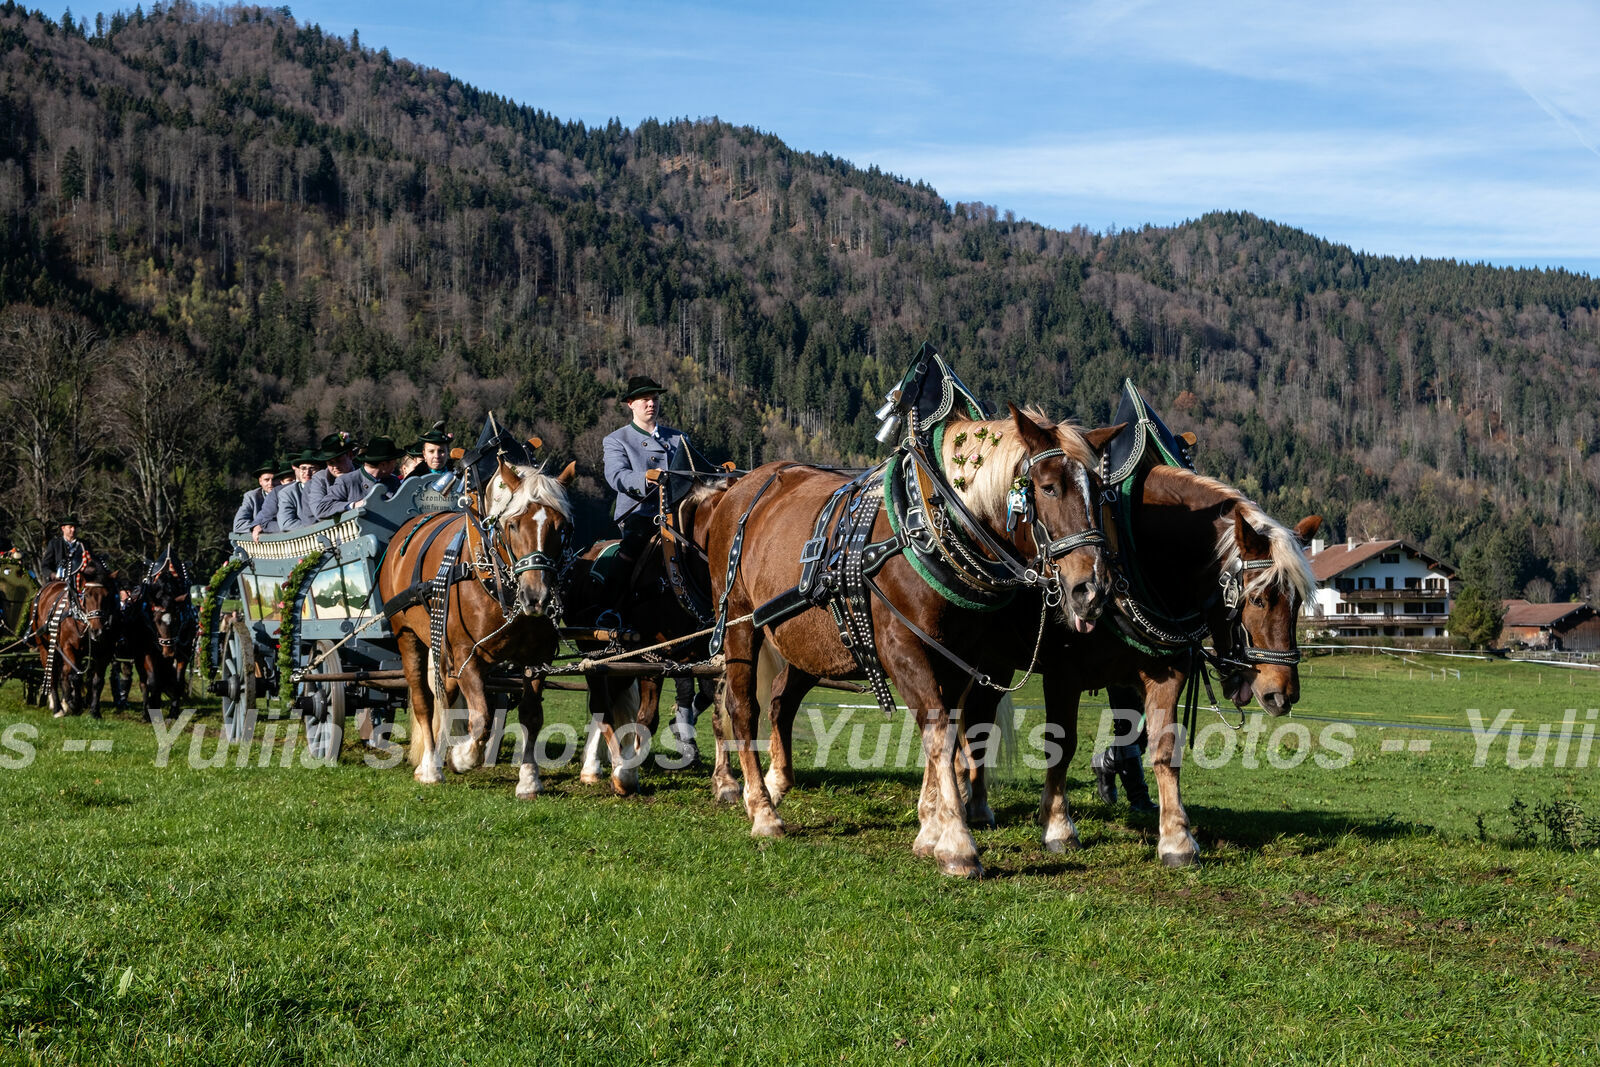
(269, 467)
(68, 520)
(310, 455)
(639, 386)
(335, 445)
(381, 450)
(435, 436)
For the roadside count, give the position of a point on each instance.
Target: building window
(1413, 631)
(1414, 608)
(1435, 607)
(1344, 585)
(1413, 583)
(1389, 557)
(1366, 583)
(1368, 609)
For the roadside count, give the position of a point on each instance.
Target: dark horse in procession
(155, 636)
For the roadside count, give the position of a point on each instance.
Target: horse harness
(68, 604)
(947, 545)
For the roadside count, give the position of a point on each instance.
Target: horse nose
(1274, 703)
(1088, 599)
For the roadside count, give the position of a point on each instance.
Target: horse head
(1053, 495)
(94, 599)
(162, 602)
(529, 516)
(1265, 580)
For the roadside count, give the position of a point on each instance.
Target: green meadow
(1379, 883)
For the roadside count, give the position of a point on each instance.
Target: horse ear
(568, 472)
(1250, 540)
(508, 474)
(1033, 435)
(1097, 438)
(1307, 528)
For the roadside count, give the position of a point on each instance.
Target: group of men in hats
(328, 481)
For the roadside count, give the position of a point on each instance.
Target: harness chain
(439, 609)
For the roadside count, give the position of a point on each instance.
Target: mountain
(323, 236)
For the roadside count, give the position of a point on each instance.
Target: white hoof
(428, 774)
(766, 825)
(529, 784)
(463, 757)
(625, 781)
(776, 789)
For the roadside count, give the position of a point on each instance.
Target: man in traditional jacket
(635, 457)
(337, 449)
(378, 461)
(63, 553)
(287, 503)
(245, 519)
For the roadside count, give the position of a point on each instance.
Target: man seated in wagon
(378, 460)
(255, 500)
(285, 509)
(337, 452)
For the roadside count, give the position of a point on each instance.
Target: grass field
(1389, 907)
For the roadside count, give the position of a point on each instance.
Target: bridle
(1243, 653)
(504, 567)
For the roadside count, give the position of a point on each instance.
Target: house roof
(1523, 613)
(1336, 559)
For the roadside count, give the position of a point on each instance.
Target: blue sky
(1461, 130)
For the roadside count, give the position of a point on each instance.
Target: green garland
(211, 607)
(289, 620)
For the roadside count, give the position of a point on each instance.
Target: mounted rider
(64, 553)
(635, 456)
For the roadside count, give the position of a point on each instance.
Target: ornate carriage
(308, 625)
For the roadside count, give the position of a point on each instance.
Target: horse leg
(602, 694)
(1176, 846)
(414, 658)
(724, 786)
(953, 844)
(978, 724)
(467, 754)
(742, 647)
(789, 688)
(530, 714)
(1061, 696)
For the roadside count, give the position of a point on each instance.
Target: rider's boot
(1130, 768)
(1105, 777)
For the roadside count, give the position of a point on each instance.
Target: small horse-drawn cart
(307, 605)
(17, 592)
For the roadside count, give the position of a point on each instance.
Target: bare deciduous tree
(161, 412)
(47, 397)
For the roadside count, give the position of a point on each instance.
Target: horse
(74, 618)
(156, 630)
(668, 596)
(1214, 564)
(771, 514)
(497, 605)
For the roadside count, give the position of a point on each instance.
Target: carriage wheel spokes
(325, 716)
(237, 682)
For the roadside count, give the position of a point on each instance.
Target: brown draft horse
(510, 546)
(782, 503)
(652, 609)
(1215, 557)
(75, 658)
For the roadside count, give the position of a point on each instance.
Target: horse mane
(1290, 570)
(538, 489)
(985, 491)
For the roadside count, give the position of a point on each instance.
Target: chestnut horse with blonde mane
(1222, 568)
(775, 507)
(499, 605)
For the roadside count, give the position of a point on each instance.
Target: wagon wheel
(325, 714)
(237, 682)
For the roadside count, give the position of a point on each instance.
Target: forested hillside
(284, 232)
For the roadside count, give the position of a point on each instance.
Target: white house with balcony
(1379, 589)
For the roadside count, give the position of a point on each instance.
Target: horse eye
(1257, 600)
(1048, 490)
